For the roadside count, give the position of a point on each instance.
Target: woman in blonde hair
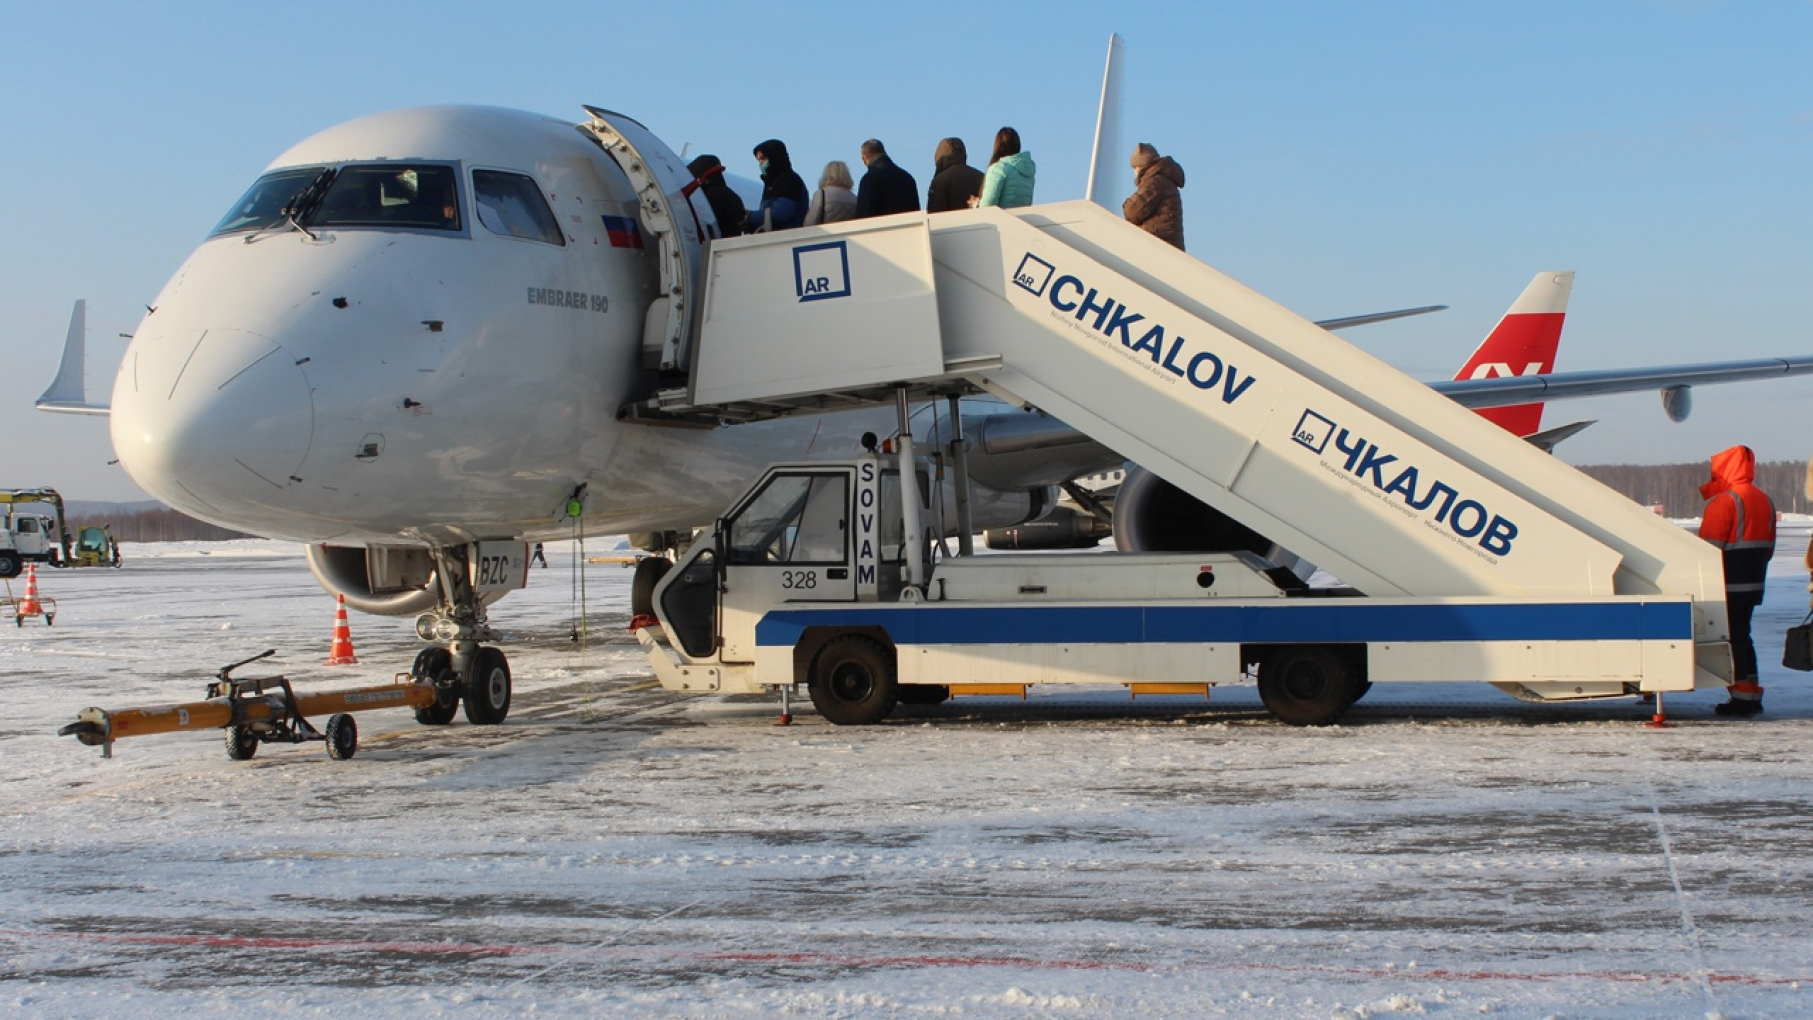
(834, 200)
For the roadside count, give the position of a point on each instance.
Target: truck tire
(649, 572)
(852, 681)
(9, 564)
(1308, 685)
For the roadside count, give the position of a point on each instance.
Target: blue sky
(1342, 157)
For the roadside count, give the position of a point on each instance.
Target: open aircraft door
(669, 216)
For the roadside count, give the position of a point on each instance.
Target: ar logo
(1313, 431)
(821, 271)
(1034, 273)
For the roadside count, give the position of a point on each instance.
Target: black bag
(1798, 654)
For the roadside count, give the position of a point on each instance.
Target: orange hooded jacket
(1739, 519)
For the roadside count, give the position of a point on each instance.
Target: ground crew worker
(1740, 520)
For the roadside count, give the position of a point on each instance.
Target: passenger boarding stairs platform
(1246, 405)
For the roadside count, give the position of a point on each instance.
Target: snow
(615, 850)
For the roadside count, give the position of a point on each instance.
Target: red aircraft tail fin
(1523, 343)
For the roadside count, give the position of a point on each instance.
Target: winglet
(67, 394)
(1103, 168)
(1523, 343)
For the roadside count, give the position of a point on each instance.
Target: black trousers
(1741, 605)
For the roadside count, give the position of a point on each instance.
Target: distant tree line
(1677, 486)
(155, 525)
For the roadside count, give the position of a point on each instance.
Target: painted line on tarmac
(886, 962)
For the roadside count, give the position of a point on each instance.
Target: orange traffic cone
(342, 652)
(31, 606)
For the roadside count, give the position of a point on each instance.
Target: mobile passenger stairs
(1471, 554)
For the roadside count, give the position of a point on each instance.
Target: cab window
(512, 205)
(794, 519)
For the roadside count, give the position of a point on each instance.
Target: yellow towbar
(253, 711)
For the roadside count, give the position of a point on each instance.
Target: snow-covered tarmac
(614, 850)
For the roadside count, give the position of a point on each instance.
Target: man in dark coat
(954, 181)
(1155, 205)
(885, 188)
(726, 207)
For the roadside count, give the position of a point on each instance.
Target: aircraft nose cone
(210, 420)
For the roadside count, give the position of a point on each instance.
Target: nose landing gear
(461, 668)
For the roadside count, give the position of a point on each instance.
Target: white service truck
(809, 578)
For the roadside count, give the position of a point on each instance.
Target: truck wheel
(431, 666)
(9, 564)
(649, 572)
(342, 735)
(1307, 686)
(487, 694)
(852, 681)
(242, 743)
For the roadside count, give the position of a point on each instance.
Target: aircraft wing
(67, 393)
(1672, 380)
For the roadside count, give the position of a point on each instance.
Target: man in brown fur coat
(1155, 204)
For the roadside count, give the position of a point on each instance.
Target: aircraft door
(789, 542)
(670, 216)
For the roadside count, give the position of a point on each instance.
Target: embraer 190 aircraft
(424, 338)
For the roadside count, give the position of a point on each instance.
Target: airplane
(420, 340)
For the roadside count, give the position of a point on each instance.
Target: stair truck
(1464, 552)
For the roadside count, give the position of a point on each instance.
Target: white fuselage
(371, 385)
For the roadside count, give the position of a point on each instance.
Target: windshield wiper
(298, 209)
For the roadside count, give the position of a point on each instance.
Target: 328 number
(799, 579)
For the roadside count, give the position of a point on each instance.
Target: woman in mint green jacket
(1008, 182)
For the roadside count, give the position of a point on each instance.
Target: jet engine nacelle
(1677, 402)
(1062, 528)
(1152, 515)
(381, 580)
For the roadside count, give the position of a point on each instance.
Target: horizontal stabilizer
(1366, 320)
(1548, 439)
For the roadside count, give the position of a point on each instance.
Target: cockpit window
(390, 196)
(512, 205)
(418, 196)
(262, 206)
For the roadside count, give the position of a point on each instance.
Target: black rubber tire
(432, 665)
(242, 743)
(649, 572)
(342, 735)
(487, 694)
(852, 681)
(1307, 685)
(10, 564)
(924, 694)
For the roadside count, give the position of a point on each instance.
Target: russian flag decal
(624, 232)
